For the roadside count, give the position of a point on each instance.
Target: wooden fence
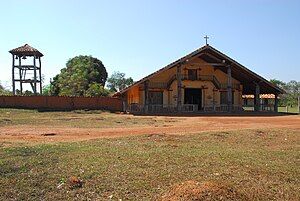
(61, 103)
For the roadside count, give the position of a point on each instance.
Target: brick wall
(61, 103)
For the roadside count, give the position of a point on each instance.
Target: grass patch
(74, 119)
(258, 164)
(290, 109)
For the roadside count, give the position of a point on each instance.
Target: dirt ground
(171, 125)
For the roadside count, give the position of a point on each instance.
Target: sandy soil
(183, 125)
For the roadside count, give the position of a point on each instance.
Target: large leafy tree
(292, 89)
(117, 82)
(81, 74)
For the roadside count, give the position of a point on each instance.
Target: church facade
(203, 81)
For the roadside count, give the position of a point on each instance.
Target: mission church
(203, 81)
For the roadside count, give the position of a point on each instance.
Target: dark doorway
(193, 96)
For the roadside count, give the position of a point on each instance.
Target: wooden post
(34, 76)
(13, 75)
(229, 89)
(20, 75)
(214, 105)
(257, 98)
(124, 105)
(299, 104)
(146, 89)
(40, 74)
(203, 98)
(276, 103)
(179, 87)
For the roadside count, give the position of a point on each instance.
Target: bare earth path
(170, 125)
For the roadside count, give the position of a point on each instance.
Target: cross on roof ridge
(206, 39)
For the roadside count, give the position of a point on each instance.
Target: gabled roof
(26, 50)
(211, 55)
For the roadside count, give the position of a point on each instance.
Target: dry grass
(253, 164)
(193, 190)
(73, 119)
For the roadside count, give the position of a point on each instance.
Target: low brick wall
(61, 103)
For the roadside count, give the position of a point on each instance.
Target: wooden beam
(20, 75)
(34, 77)
(13, 75)
(214, 57)
(40, 74)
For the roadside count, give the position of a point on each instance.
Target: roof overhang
(26, 50)
(220, 61)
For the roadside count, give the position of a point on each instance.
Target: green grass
(293, 110)
(73, 119)
(290, 109)
(261, 164)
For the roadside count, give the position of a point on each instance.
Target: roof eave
(171, 65)
(279, 90)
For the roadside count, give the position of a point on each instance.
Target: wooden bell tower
(26, 74)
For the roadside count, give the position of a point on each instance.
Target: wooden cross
(206, 38)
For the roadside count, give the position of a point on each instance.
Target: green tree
(96, 89)
(278, 83)
(4, 92)
(46, 90)
(117, 82)
(292, 90)
(81, 73)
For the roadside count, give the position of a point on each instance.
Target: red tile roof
(26, 50)
(264, 96)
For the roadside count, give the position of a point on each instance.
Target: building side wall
(133, 95)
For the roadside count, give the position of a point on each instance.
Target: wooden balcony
(211, 78)
(234, 86)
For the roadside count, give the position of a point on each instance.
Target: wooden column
(13, 75)
(20, 76)
(124, 105)
(179, 87)
(299, 104)
(214, 104)
(146, 90)
(229, 89)
(40, 74)
(276, 103)
(257, 98)
(34, 76)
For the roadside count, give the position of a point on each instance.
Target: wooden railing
(222, 108)
(191, 108)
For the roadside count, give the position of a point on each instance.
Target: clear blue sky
(138, 37)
